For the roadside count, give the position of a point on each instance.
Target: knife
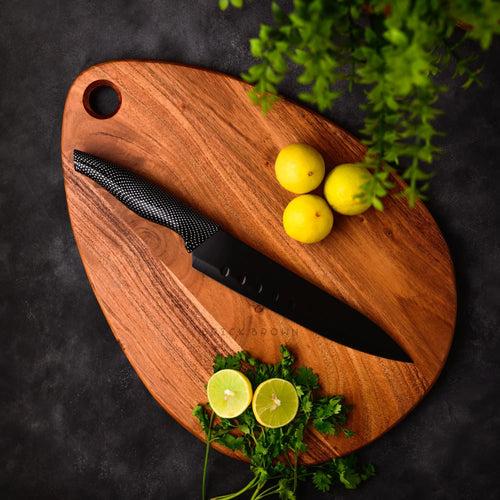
(238, 266)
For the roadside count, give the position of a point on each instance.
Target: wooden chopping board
(196, 133)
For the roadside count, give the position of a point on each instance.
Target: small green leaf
(256, 47)
(231, 361)
(223, 4)
(306, 406)
(348, 433)
(305, 377)
(324, 426)
(322, 481)
(377, 203)
(395, 36)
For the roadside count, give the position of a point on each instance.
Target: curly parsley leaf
(322, 480)
(228, 362)
(305, 377)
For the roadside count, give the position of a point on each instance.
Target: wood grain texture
(196, 133)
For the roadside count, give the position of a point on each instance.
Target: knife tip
(401, 356)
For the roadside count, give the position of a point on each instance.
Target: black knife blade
(236, 265)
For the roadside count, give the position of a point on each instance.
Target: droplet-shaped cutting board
(196, 133)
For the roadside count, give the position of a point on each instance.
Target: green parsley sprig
(274, 454)
(394, 50)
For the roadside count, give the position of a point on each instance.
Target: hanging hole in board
(102, 99)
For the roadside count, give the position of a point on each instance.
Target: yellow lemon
(299, 168)
(342, 185)
(308, 218)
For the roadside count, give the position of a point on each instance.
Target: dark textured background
(75, 422)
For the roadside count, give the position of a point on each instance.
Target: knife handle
(147, 199)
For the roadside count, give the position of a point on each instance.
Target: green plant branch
(295, 464)
(390, 49)
(205, 460)
(238, 493)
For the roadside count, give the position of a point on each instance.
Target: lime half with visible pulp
(275, 403)
(229, 393)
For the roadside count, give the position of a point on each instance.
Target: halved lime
(275, 403)
(229, 393)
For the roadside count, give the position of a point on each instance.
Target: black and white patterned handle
(147, 199)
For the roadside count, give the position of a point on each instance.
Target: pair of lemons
(274, 403)
(300, 169)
